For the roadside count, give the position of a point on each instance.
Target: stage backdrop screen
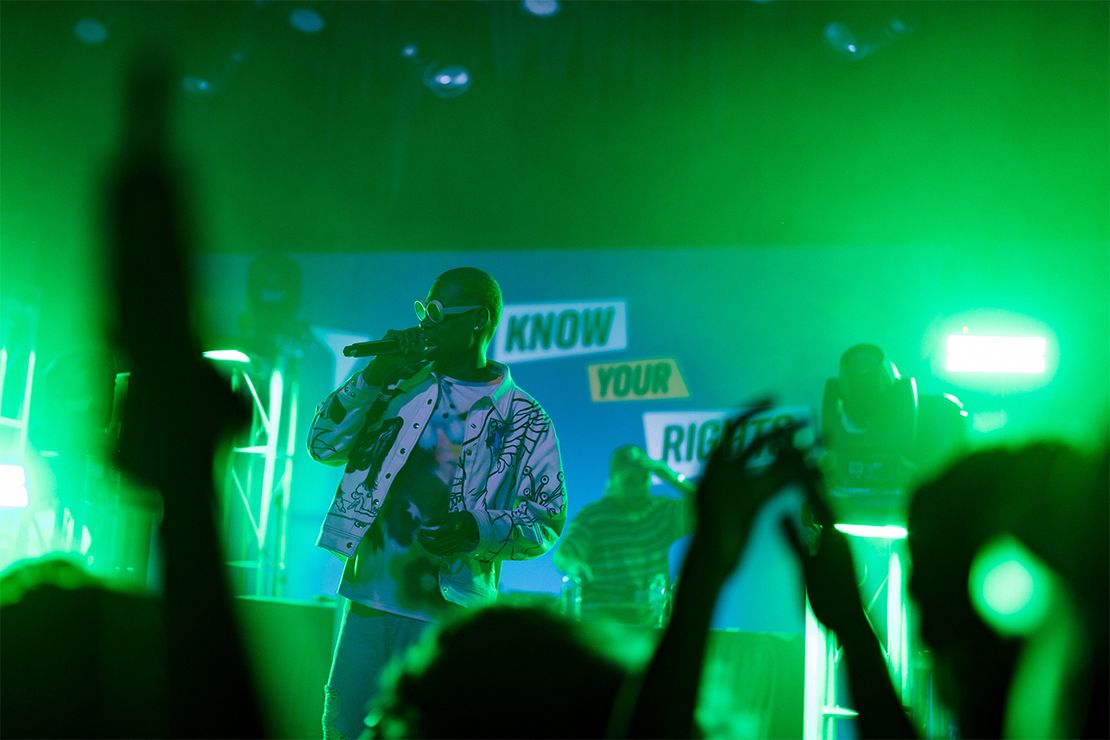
(656, 347)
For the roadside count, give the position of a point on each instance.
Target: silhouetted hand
(835, 600)
(457, 532)
(728, 499)
(827, 561)
(730, 495)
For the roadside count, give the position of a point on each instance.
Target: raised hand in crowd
(88, 661)
(835, 599)
(178, 411)
(729, 497)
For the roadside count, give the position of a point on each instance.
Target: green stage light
(888, 532)
(229, 355)
(979, 354)
(1010, 587)
(13, 486)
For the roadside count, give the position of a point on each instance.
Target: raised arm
(728, 499)
(356, 408)
(177, 412)
(835, 600)
(341, 418)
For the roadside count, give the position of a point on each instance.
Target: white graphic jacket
(512, 479)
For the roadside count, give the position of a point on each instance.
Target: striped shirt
(625, 549)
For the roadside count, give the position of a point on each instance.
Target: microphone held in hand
(370, 349)
(382, 347)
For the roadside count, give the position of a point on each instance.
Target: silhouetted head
(274, 288)
(1035, 495)
(79, 660)
(502, 672)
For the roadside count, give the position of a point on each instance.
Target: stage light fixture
(840, 39)
(306, 20)
(888, 532)
(227, 355)
(985, 354)
(13, 486)
(198, 86)
(91, 31)
(845, 44)
(541, 8)
(447, 82)
(195, 85)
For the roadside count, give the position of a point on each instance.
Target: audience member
(1054, 502)
(89, 662)
(662, 702)
(503, 672)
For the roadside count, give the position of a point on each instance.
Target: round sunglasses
(435, 312)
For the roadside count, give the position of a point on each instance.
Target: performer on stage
(450, 469)
(616, 548)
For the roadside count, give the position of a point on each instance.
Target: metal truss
(908, 665)
(258, 479)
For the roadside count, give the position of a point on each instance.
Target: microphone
(381, 347)
(369, 349)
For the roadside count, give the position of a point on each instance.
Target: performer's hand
(665, 473)
(457, 532)
(581, 572)
(384, 369)
(639, 456)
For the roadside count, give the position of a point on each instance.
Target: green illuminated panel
(13, 486)
(975, 354)
(889, 532)
(229, 355)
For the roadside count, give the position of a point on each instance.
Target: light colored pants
(368, 641)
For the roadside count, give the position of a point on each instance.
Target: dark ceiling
(609, 124)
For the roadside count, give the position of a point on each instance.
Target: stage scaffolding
(885, 560)
(19, 423)
(259, 474)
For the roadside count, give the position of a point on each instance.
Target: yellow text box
(638, 380)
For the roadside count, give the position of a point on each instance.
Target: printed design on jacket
(335, 410)
(369, 451)
(332, 410)
(525, 516)
(510, 442)
(495, 436)
(513, 440)
(538, 494)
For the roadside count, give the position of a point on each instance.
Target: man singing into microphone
(450, 469)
